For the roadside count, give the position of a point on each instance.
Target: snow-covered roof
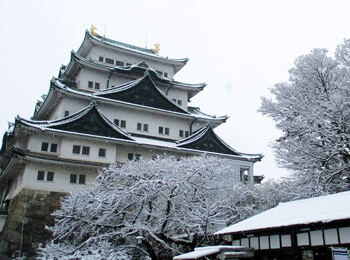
(205, 139)
(322, 209)
(142, 67)
(91, 40)
(90, 121)
(78, 124)
(200, 252)
(58, 85)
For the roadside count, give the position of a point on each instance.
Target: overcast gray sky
(239, 48)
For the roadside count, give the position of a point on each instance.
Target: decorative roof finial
(156, 48)
(92, 30)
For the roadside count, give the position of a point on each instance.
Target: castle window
(181, 133)
(97, 85)
(53, 148)
(187, 134)
(66, 113)
(73, 178)
(100, 59)
(49, 176)
(132, 157)
(76, 149)
(86, 150)
(128, 64)
(102, 152)
(142, 127)
(160, 130)
(109, 61)
(167, 131)
(116, 121)
(119, 63)
(179, 102)
(123, 123)
(44, 146)
(90, 84)
(40, 176)
(165, 74)
(82, 179)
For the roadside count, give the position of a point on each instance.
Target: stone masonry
(28, 214)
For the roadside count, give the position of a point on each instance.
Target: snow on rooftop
(210, 250)
(319, 209)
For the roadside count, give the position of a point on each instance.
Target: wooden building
(302, 229)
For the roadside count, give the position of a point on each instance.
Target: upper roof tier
(205, 139)
(135, 71)
(142, 92)
(91, 123)
(88, 121)
(58, 88)
(91, 41)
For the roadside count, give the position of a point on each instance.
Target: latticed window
(41, 175)
(73, 178)
(53, 148)
(49, 176)
(102, 152)
(76, 149)
(86, 150)
(44, 146)
(81, 179)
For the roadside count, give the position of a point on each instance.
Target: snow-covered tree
(173, 205)
(313, 112)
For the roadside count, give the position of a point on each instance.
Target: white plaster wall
(235, 166)
(87, 74)
(132, 117)
(101, 77)
(67, 150)
(35, 141)
(117, 80)
(146, 153)
(98, 51)
(153, 120)
(61, 182)
(177, 94)
(65, 147)
(70, 104)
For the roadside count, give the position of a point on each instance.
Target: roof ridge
(133, 47)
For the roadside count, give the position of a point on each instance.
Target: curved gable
(142, 92)
(206, 140)
(91, 122)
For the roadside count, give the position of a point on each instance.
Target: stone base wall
(28, 214)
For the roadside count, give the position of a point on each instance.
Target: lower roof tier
(119, 97)
(90, 122)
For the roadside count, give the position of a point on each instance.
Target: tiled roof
(135, 49)
(138, 69)
(205, 139)
(300, 212)
(89, 120)
(57, 85)
(142, 92)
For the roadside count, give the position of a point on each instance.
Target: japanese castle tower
(112, 103)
